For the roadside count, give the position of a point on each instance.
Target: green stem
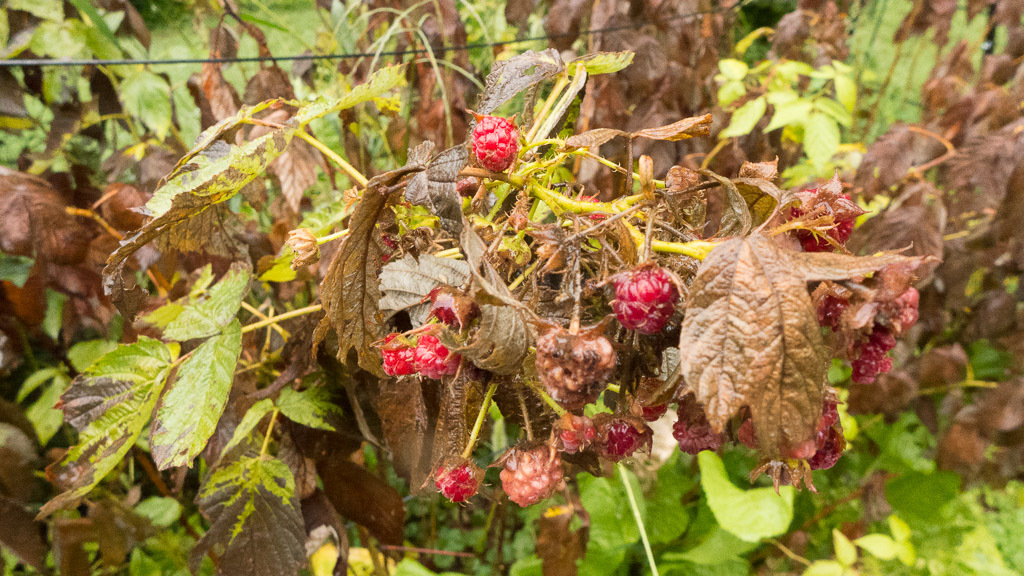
(556, 91)
(547, 399)
(556, 200)
(698, 249)
(613, 388)
(287, 315)
(479, 421)
(270, 429)
(348, 168)
(325, 239)
(639, 520)
(449, 253)
(515, 283)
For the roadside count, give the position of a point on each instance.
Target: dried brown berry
(574, 367)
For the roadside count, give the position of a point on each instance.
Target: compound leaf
(312, 407)
(206, 313)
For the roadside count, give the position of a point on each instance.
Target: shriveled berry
(619, 437)
(573, 367)
(495, 143)
(531, 475)
(906, 310)
(433, 360)
(830, 311)
(452, 307)
(746, 435)
(828, 200)
(398, 358)
(458, 483)
(575, 432)
(467, 187)
(652, 413)
(692, 430)
(832, 446)
(645, 299)
(871, 359)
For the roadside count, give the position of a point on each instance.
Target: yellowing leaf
(846, 552)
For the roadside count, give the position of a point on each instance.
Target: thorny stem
(639, 520)
(564, 204)
(280, 317)
(698, 249)
(270, 430)
(479, 421)
(337, 159)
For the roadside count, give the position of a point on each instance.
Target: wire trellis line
(29, 62)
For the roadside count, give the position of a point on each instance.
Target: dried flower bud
(304, 243)
(646, 176)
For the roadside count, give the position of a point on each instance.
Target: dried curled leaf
(512, 76)
(818, 266)
(407, 282)
(751, 338)
(435, 187)
(764, 199)
(679, 130)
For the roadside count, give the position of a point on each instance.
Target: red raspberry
(458, 483)
(830, 449)
(829, 415)
(652, 413)
(830, 310)
(620, 436)
(532, 475)
(398, 358)
(433, 360)
(495, 143)
(645, 299)
(692, 430)
(907, 313)
(827, 201)
(452, 307)
(575, 432)
(815, 243)
(871, 357)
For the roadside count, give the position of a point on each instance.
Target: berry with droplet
(458, 483)
(433, 360)
(830, 311)
(645, 299)
(495, 142)
(398, 358)
(574, 367)
(531, 475)
(620, 437)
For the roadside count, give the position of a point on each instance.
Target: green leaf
(528, 566)
(44, 417)
(846, 552)
(787, 113)
(147, 96)
(846, 91)
(83, 354)
(731, 91)
(988, 362)
(45, 9)
(824, 568)
(613, 529)
(15, 269)
(376, 85)
(878, 545)
(667, 519)
(821, 138)
(252, 417)
(835, 110)
(109, 404)
(254, 518)
(410, 567)
(54, 318)
(733, 69)
(718, 547)
(749, 514)
(602, 62)
(745, 118)
(161, 511)
(281, 269)
(312, 407)
(791, 70)
(189, 412)
(921, 497)
(206, 314)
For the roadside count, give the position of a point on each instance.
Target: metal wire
(28, 62)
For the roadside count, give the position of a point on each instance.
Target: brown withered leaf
(403, 417)
(364, 498)
(558, 545)
(406, 282)
(763, 170)
(817, 266)
(22, 535)
(222, 97)
(33, 222)
(679, 130)
(270, 82)
(435, 187)
(919, 226)
(886, 162)
(934, 15)
(460, 400)
(738, 220)
(512, 76)
(296, 168)
(350, 291)
(592, 138)
(764, 199)
(750, 337)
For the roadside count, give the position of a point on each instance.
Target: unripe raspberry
(458, 483)
(620, 436)
(692, 430)
(575, 432)
(495, 143)
(532, 475)
(433, 360)
(645, 299)
(573, 367)
(398, 358)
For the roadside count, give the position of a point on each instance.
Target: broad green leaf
(44, 417)
(921, 497)
(846, 91)
(45, 9)
(161, 511)
(749, 514)
(835, 110)
(821, 138)
(15, 269)
(718, 547)
(613, 529)
(254, 518)
(824, 568)
(878, 545)
(528, 566)
(791, 70)
(206, 314)
(147, 96)
(165, 314)
(83, 354)
(252, 417)
(784, 96)
(376, 85)
(53, 320)
(602, 62)
(731, 91)
(900, 530)
(109, 404)
(846, 552)
(281, 269)
(667, 519)
(792, 112)
(745, 118)
(189, 412)
(312, 407)
(733, 69)
(410, 567)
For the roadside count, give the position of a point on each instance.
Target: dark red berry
(828, 200)
(829, 415)
(398, 358)
(433, 360)
(831, 449)
(452, 307)
(692, 430)
(620, 436)
(812, 242)
(746, 435)
(645, 299)
(575, 432)
(574, 367)
(532, 475)
(467, 187)
(830, 311)
(652, 413)
(495, 143)
(458, 483)
(871, 359)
